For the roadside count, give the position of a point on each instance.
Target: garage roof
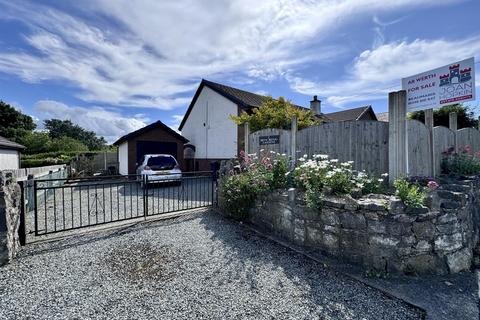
(156, 125)
(7, 144)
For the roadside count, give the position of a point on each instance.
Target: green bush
(255, 176)
(465, 162)
(240, 191)
(67, 144)
(411, 194)
(313, 197)
(319, 175)
(30, 163)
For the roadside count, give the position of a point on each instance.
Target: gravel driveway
(193, 267)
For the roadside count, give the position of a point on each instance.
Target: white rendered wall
(9, 159)
(217, 139)
(123, 158)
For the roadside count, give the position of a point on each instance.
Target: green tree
(13, 124)
(65, 128)
(276, 114)
(36, 142)
(67, 144)
(465, 116)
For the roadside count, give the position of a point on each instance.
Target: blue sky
(113, 66)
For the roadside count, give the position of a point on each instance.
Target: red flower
(432, 185)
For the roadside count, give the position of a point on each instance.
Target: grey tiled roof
(7, 144)
(249, 100)
(157, 124)
(346, 115)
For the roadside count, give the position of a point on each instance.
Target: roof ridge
(146, 128)
(243, 90)
(361, 107)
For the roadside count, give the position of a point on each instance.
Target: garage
(156, 138)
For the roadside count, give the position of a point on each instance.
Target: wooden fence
(366, 143)
(283, 145)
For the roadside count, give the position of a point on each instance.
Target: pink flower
(477, 154)
(432, 185)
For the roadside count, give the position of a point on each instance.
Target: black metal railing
(171, 193)
(69, 204)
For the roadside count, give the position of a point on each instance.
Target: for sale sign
(449, 84)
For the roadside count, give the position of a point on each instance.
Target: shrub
(320, 175)
(240, 192)
(368, 184)
(279, 172)
(412, 195)
(463, 162)
(254, 176)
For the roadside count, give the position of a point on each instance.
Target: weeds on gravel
(141, 262)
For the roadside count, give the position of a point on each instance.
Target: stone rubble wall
(10, 200)
(378, 232)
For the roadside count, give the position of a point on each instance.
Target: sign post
(397, 135)
(429, 125)
(453, 125)
(247, 137)
(452, 83)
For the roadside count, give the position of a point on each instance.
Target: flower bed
(463, 162)
(416, 226)
(255, 176)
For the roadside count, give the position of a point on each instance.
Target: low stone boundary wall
(10, 199)
(378, 232)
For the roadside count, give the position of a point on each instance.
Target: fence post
(105, 160)
(21, 228)
(453, 125)
(293, 143)
(397, 135)
(429, 125)
(247, 137)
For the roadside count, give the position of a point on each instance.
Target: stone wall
(10, 199)
(378, 232)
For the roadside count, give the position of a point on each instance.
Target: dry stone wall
(10, 199)
(378, 232)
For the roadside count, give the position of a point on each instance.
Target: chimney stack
(315, 106)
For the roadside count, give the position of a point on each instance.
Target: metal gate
(61, 205)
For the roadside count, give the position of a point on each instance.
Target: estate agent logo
(456, 85)
(445, 85)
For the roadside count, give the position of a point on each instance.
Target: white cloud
(156, 51)
(104, 122)
(377, 71)
(176, 119)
